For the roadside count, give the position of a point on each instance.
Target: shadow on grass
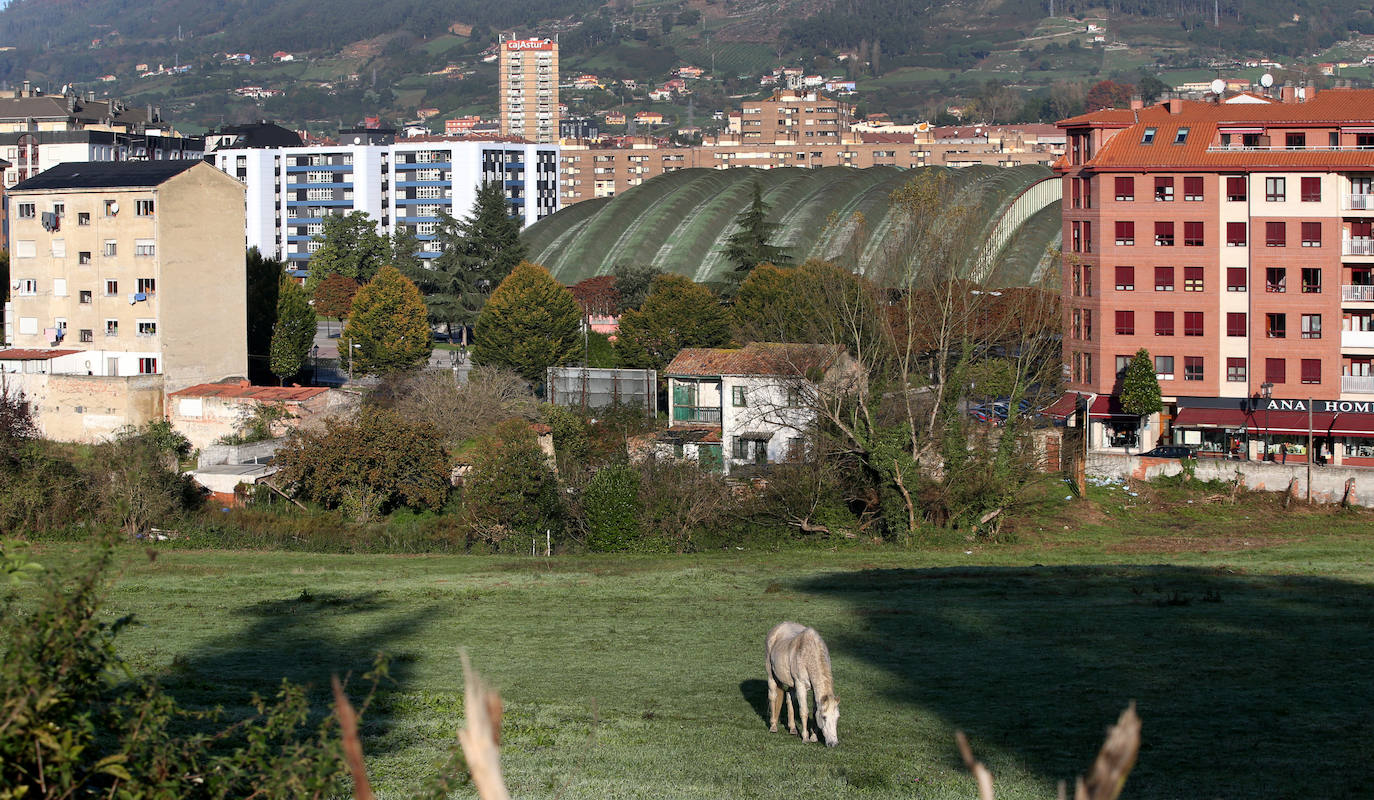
(755, 692)
(1248, 686)
(304, 639)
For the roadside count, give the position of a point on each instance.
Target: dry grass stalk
(352, 745)
(1114, 761)
(980, 772)
(481, 735)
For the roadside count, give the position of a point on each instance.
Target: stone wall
(1328, 482)
(86, 408)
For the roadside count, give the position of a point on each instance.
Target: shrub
(136, 479)
(511, 490)
(680, 501)
(612, 509)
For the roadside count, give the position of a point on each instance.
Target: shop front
(1109, 426)
(1277, 429)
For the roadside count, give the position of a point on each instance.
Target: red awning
(1103, 406)
(1323, 423)
(1209, 418)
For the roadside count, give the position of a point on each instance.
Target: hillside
(353, 58)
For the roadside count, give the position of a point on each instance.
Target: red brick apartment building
(1233, 241)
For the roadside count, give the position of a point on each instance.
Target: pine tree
(530, 323)
(350, 246)
(264, 286)
(749, 246)
(294, 331)
(388, 327)
(478, 252)
(677, 313)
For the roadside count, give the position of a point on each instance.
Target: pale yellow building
(126, 269)
(528, 88)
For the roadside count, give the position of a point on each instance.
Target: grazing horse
(797, 659)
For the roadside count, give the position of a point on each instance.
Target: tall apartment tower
(528, 70)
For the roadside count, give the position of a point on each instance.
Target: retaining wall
(1328, 482)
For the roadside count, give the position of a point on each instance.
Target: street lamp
(351, 348)
(1266, 389)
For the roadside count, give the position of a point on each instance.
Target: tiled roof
(242, 390)
(33, 355)
(757, 358)
(1205, 121)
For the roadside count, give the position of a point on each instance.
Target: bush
(510, 492)
(681, 501)
(612, 509)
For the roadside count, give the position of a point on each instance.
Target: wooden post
(1311, 454)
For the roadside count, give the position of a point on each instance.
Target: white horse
(797, 659)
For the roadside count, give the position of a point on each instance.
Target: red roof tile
(756, 358)
(242, 390)
(33, 355)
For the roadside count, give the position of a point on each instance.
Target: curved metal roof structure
(679, 222)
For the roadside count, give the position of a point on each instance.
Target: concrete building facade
(528, 88)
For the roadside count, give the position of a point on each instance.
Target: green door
(708, 456)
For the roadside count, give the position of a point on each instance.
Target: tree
(349, 246)
(488, 396)
(632, 283)
(611, 506)
(387, 326)
(334, 296)
(531, 323)
(1140, 393)
(264, 285)
(478, 252)
(404, 247)
(1108, 94)
(678, 313)
(1151, 88)
(294, 331)
(750, 246)
(511, 489)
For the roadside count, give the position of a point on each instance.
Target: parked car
(1170, 451)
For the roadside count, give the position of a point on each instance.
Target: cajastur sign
(1318, 406)
(529, 44)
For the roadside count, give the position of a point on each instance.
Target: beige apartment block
(130, 268)
(528, 88)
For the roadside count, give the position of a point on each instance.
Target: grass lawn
(1242, 631)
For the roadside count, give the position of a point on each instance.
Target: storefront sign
(1318, 406)
(529, 44)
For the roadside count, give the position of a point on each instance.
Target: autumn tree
(1108, 94)
(349, 246)
(334, 296)
(677, 313)
(530, 323)
(752, 244)
(387, 325)
(294, 331)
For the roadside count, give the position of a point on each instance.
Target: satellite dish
(1218, 86)
(357, 140)
(1266, 80)
(114, 208)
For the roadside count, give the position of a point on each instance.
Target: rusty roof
(242, 390)
(33, 355)
(756, 358)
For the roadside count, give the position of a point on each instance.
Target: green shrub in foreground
(612, 508)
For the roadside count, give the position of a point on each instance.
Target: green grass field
(1241, 631)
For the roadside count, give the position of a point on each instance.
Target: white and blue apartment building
(404, 183)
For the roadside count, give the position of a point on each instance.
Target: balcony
(710, 415)
(1357, 339)
(1358, 247)
(1357, 294)
(1360, 202)
(1357, 384)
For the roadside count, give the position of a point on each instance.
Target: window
(1077, 186)
(1274, 370)
(143, 208)
(1164, 189)
(1181, 135)
(111, 288)
(1235, 323)
(59, 248)
(1235, 234)
(1149, 136)
(1192, 234)
(1275, 189)
(1192, 323)
(1164, 368)
(1125, 233)
(1088, 324)
(1087, 280)
(111, 208)
(1311, 370)
(1311, 326)
(111, 327)
(145, 247)
(1125, 323)
(742, 448)
(25, 210)
(1276, 326)
(1122, 364)
(1235, 370)
(25, 248)
(59, 287)
(1235, 188)
(1312, 189)
(147, 327)
(1276, 280)
(84, 257)
(86, 335)
(147, 286)
(83, 218)
(1125, 188)
(1275, 234)
(147, 366)
(1077, 232)
(1164, 279)
(1164, 323)
(1311, 234)
(111, 248)
(1236, 279)
(84, 297)
(1125, 279)
(1192, 368)
(28, 286)
(1087, 237)
(1192, 279)
(1192, 188)
(1164, 234)
(1311, 280)
(1295, 141)
(737, 396)
(1078, 323)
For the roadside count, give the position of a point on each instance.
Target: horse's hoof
(791, 731)
(773, 729)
